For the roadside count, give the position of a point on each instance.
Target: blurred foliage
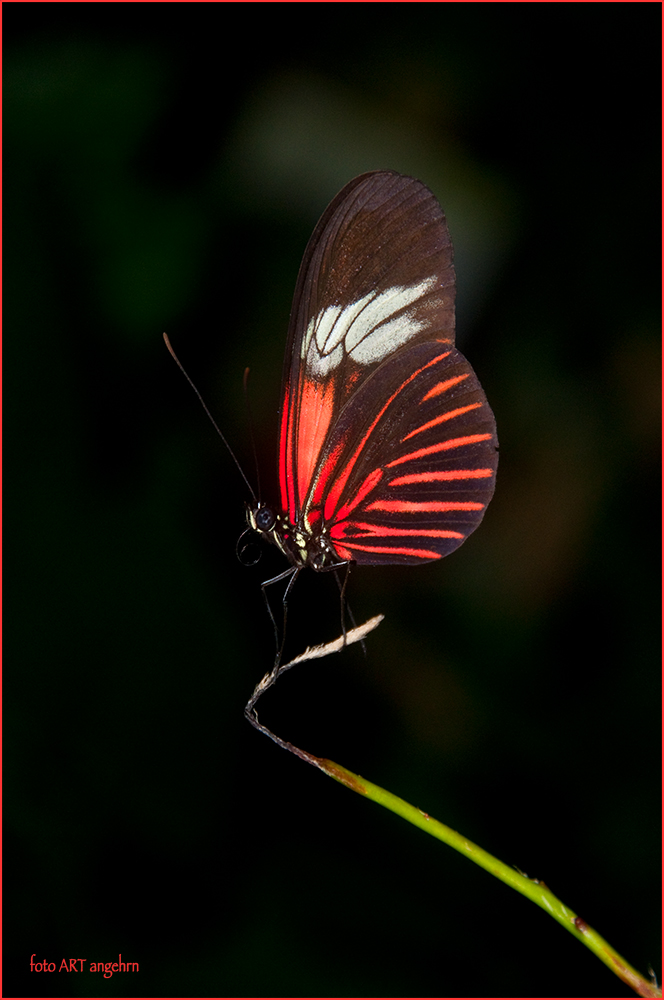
(165, 173)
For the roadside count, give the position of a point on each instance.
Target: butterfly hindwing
(408, 481)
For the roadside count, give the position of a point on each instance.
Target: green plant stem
(535, 890)
(532, 888)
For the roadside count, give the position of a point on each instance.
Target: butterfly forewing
(377, 275)
(388, 448)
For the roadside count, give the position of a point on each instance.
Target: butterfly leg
(344, 603)
(271, 678)
(292, 572)
(284, 601)
(345, 606)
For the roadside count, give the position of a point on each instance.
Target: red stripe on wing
(431, 477)
(441, 446)
(381, 531)
(425, 554)
(286, 478)
(424, 506)
(367, 486)
(316, 404)
(443, 417)
(444, 386)
(325, 473)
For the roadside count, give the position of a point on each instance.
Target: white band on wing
(369, 329)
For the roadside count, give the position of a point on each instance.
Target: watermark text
(78, 965)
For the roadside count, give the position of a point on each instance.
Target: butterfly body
(302, 545)
(387, 445)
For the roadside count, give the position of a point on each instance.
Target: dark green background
(164, 167)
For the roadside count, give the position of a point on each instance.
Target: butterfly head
(267, 523)
(261, 518)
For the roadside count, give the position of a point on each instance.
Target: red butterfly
(387, 445)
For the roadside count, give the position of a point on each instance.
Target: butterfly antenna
(245, 383)
(212, 420)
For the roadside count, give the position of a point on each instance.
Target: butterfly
(387, 445)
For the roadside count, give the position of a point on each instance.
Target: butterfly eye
(265, 518)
